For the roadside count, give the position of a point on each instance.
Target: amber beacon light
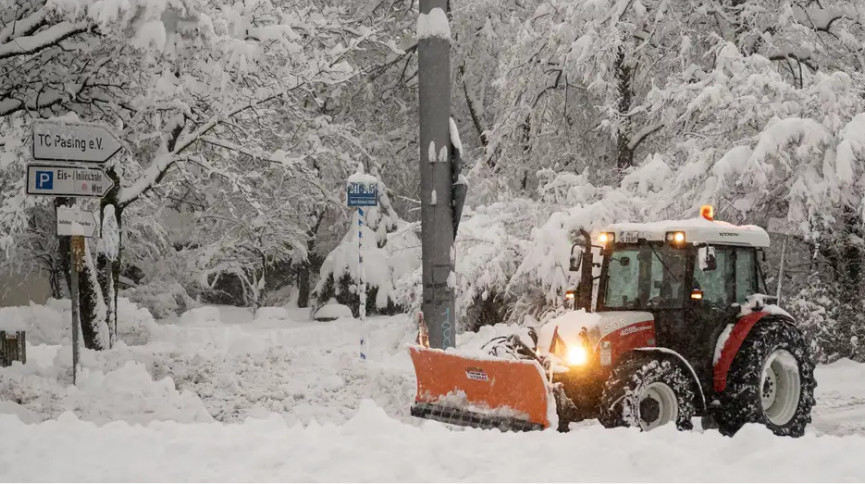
(708, 212)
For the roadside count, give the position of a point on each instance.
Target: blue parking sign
(44, 180)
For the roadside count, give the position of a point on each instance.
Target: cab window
(623, 279)
(746, 274)
(716, 285)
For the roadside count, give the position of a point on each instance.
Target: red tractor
(680, 329)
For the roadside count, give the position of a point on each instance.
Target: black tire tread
(635, 370)
(740, 402)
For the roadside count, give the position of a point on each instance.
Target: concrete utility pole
(437, 218)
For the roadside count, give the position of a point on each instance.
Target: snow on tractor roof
(697, 230)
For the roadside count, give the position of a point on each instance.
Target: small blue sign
(362, 194)
(44, 180)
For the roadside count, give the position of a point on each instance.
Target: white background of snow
(266, 312)
(244, 399)
(334, 310)
(372, 446)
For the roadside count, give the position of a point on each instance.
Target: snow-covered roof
(697, 231)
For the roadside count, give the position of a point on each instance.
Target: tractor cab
(691, 275)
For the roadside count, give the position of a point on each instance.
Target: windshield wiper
(663, 264)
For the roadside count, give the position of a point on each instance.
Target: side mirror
(706, 258)
(576, 259)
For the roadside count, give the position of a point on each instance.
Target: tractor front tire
(770, 382)
(648, 391)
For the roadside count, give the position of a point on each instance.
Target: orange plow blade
(480, 392)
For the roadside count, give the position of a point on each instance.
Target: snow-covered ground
(220, 395)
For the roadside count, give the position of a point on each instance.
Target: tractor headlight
(606, 238)
(577, 355)
(675, 238)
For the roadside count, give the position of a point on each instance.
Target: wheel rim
(664, 397)
(780, 387)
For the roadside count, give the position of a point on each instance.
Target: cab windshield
(646, 276)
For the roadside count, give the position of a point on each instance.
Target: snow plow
(492, 393)
(673, 325)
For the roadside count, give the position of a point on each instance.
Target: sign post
(362, 192)
(785, 228)
(68, 146)
(77, 256)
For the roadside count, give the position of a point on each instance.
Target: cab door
(724, 290)
(710, 314)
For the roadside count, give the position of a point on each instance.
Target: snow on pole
(433, 24)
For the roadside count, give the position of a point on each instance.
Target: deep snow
(220, 395)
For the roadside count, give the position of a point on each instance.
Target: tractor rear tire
(771, 382)
(648, 391)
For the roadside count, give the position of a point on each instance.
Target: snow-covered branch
(162, 162)
(23, 26)
(644, 133)
(34, 43)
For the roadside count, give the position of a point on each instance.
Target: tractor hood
(598, 325)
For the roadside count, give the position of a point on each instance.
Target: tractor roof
(697, 231)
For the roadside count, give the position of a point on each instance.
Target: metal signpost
(68, 146)
(362, 194)
(436, 173)
(785, 228)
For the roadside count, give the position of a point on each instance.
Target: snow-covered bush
(162, 299)
(817, 314)
(575, 204)
(391, 253)
(45, 324)
(491, 242)
(50, 323)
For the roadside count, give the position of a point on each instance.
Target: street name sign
(74, 142)
(67, 181)
(75, 221)
(362, 194)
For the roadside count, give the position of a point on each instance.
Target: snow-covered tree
(391, 255)
(175, 79)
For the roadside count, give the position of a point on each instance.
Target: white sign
(67, 181)
(89, 143)
(74, 221)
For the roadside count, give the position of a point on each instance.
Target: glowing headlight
(606, 237)
(676, 238)
(577, 356)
